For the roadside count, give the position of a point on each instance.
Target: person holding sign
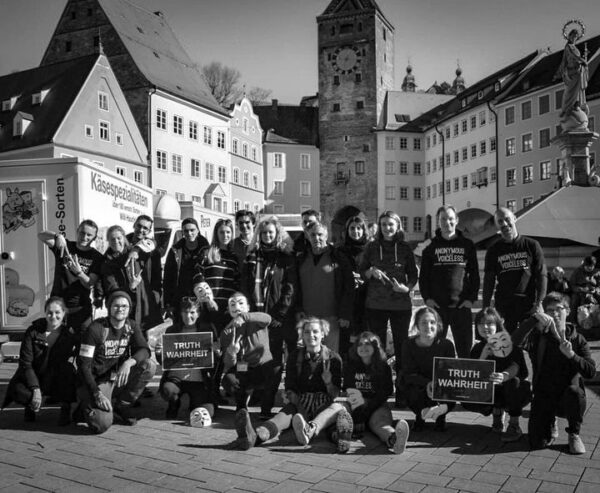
(512, 390)
(417, 369)
(247, 359)
(114, 356)
(561, 359)
(313, 379)
(196, 383)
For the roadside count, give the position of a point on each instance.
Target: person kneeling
(512, 390)
(114, 357)
(561, 359)
(313, 380)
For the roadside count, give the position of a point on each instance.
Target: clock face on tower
(346, 59)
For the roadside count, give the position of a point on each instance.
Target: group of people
(319, 311)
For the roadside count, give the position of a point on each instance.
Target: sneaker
(438, 411)
(262, 434)
(576, 445)
(401, 435)
(498, 423)
(29, 415)
(344, 426)
(513, 433)
(173, 409)
(554, 429)
(243, 427)
(124, 414)
(304, 431)
(64, 418)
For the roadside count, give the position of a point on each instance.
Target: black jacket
(179, 270)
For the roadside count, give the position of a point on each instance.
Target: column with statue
(576, 138)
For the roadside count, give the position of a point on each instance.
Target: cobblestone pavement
(164, 455)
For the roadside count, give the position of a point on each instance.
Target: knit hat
(190, 220)
(117, 294)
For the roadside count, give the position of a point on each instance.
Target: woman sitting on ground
(45, 364)
(313, 380)
(417, 367)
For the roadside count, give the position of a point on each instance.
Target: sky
(273, 43)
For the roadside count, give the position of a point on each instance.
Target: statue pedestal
(575, 153)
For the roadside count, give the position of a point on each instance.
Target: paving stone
(404, 486)
(336, 487)
(555, 477)
(473, 486)
(378, 479)
(437, 489)
(567, 469)
(491, 477)
(290, 486)
(428, 468)
(549, 487)
(428, 479)
(591, 475)
(464, 471)
(506, 469)
(586, 488)
(346, 477)
(312, 474)
(521, 485)
(539, 463)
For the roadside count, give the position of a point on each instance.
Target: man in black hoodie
(449, 279)
(514, 273)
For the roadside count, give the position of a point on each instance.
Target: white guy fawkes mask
(501, 344)
(200, 418)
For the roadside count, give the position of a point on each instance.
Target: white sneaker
(402, 432)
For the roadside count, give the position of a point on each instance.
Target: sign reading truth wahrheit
(465, 380)
(187, 351)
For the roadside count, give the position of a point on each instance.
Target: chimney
(274, 104)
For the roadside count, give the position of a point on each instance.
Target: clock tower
(356, 69)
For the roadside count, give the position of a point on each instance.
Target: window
(456, 184)
(236, 175)
(246, 181)
(360, 104)
(234, 146)
(527, 201)
(404, 222)
(427, 142)
(346, 138)
(544, 137)
(209, 171)
(236, 205)
(447, 160)
(441, 187)
(390, 193)
(417, 169)
(336, 80)
(403, 168)
(197, 199)
(103, 101)
(336, 107)
(509, 115)
(511, 205)
(104, 131)
(244, 149)
(118, 138)
(389, 143)
(305, 161)
(418, 193)
(305, 189)
(180, 197)
(455, 129)
(463, 126)
(492, 144)
(161, 160)
(428, 192)
(245, 125)
(428, 167)
(527, 142)
(390, 167)
(366, 147)
(465, 182)
(434, 137)
(511, 146)
(492, 174)
(277, 187)
(278, 160)
(358, 77)
(434, 165)
(193, 130)
(545, 170)
(160, 191)
(448, 186)
(138, 176)
(456, 157)
(177, 125)
(120, 170)
(195, 168)
(544, 104)
(558, 99)
(473, 151)
(511, 177)
(482, 118)
(359, 167)
(89, 131)
(474, 179)
(221, 140)
(592, 124)
(278, 209)
(222, 174)
(254, 181)
(465, 153)
(416, 144)
(403, 143)
(525, 110)
(528, 173)
(217, 204)
(417, 224)
(176, 163)
(403, 193)
(208, 135)
(473, 122)
(68, 46)
(161, 119)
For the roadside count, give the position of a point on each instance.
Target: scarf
(264, 259)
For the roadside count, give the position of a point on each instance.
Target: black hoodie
(449, 271)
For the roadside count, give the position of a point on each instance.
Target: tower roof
(341, 7)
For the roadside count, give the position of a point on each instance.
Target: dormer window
(20, 123)
(497, 86)
(38, 97)
(9, 104)
(480, 95)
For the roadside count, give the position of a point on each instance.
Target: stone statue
(574, 73)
